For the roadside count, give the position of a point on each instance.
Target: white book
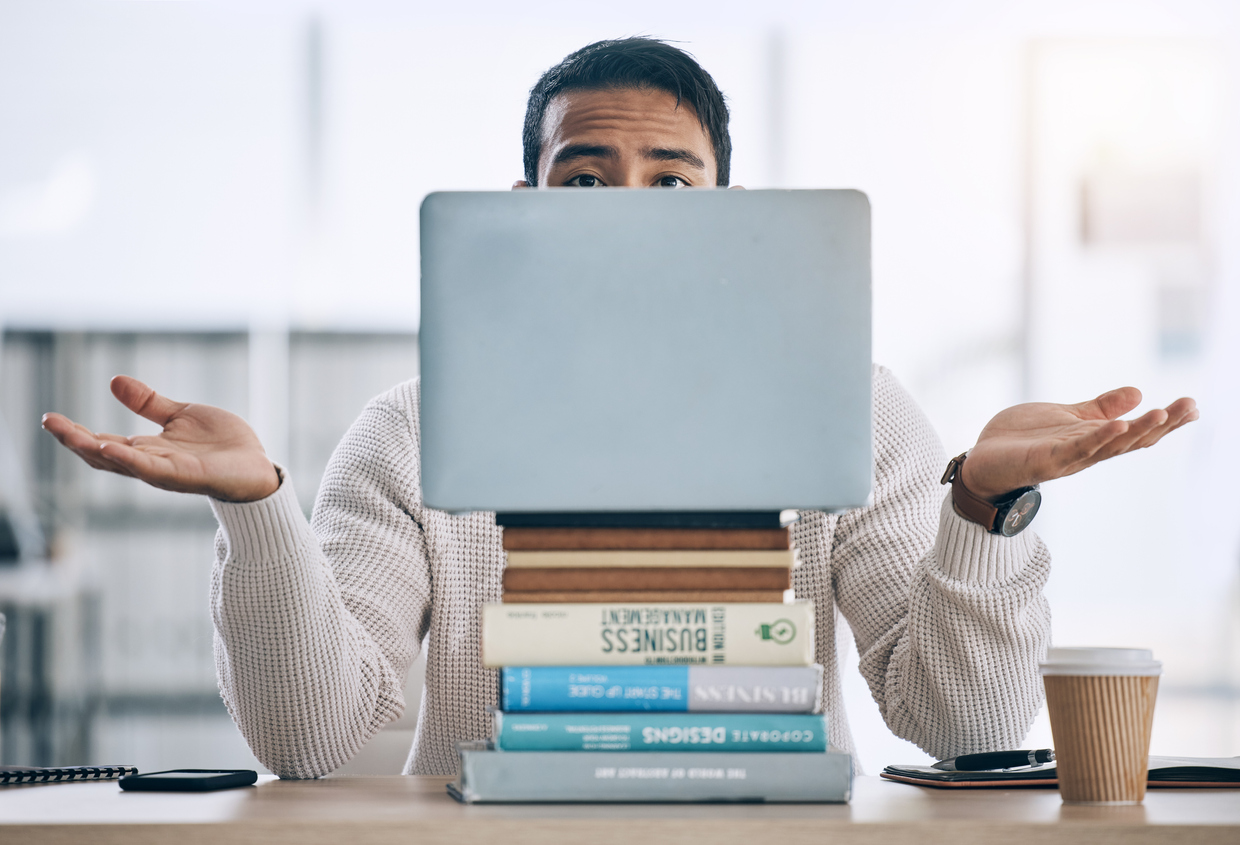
(647, 634)
(649, 777)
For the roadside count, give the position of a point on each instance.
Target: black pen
(991, 760)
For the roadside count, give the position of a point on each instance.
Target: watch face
(1021, 513)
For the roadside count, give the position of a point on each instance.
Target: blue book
(660, 732)
(671, 689)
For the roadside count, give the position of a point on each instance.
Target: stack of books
(643, 663)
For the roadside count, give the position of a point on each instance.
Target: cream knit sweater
(317, 624)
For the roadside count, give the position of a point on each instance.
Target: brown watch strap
(969, 505)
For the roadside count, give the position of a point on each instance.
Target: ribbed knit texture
(317, 625)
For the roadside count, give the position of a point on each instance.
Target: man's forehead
(602, 111)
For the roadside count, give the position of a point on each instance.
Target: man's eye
(585, 180)
(672, 182)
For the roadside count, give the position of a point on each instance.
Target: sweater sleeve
(950, 620)
(316, 627)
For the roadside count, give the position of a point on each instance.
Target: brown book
(677, 558)
(637, 539)
(655, 578)
(643, 596)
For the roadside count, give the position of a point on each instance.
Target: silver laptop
(645, 350)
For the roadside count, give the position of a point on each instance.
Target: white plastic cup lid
(1100, 661)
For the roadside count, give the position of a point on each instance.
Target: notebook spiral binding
(32, 774)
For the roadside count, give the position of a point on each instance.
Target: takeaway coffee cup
(1101, 704)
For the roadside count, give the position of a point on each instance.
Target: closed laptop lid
(645, 350)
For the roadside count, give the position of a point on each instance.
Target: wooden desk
(360, 811)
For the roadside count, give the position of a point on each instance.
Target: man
(316, 625)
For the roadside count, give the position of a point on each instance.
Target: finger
(57, 424)
(1191, 416)
(1146, 425)
(1079, 453)
(1183, 410)
(60, 426)
(97, 460)
(1149, 421)
(102, 464)
(144, 401)
(142, 465)
(69, 433)
(1187, 414)
(1182, 405)
(1178, 413)
(81, 441)
(1111, 405)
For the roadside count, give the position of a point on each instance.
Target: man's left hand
(1036, 442)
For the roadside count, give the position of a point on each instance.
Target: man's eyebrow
(664, 154)
(575, 151)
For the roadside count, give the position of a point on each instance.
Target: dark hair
(632, 63)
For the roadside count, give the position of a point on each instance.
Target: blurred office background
(222, 199)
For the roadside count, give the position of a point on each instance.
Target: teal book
(697, 732)
(490, 776)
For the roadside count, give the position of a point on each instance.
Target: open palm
(201, 449)
(1040, 441)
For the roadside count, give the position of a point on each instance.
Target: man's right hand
(200, 450)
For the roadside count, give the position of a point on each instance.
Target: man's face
(623, 138)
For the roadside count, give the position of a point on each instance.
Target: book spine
(668, 689)
(649, 578)
(647, 634)
(785, 559)
(676, 520)
(703, 732)
(644, 596)
(659, 777)
(568, 539)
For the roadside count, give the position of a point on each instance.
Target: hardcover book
(643, 539)
(646, 732)
(674, 689)
(646, 596)
(648, 578)
(647, 634)
(489, 776)
(680, 558)
(679, 520)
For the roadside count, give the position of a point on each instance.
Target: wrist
(977, 487)
(1008, 514)
(264, 486)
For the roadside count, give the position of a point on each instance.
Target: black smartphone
(189, 780)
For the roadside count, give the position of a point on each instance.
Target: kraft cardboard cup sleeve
(1101, 704)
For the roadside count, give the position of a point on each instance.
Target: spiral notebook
(1165, 772)
(62, 774)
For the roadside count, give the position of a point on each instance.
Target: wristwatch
(1009, 516)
